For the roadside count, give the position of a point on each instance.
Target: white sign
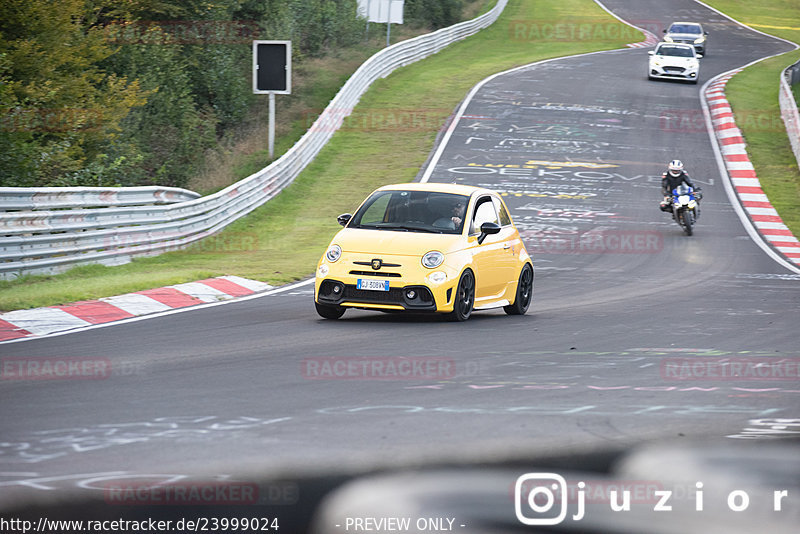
(382, 10)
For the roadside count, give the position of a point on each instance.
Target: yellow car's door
(491, 258)
(512, 245)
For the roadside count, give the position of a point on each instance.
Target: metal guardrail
(789, 113)
(36, 198)
(48, 241)
(792, 74)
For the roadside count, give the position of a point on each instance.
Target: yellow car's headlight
(333, 253)
(432, 259)
(323, 271)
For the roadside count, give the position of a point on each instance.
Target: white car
(688, 33)
(674, 61)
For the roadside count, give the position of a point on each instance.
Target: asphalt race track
(623, 302)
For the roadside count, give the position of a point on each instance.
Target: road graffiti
(119, 486)
(625, 355)
(542, 128)
(547, 190)
(546, 194)
(554, 214)
(767, 276)
(562, 106)
(551, 409)
(548, 146)
(530, 231)
(769, 429)
(45, 445)
(523, 386)
(528, 172)
(553, 165)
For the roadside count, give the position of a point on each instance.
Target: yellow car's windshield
(412, 211)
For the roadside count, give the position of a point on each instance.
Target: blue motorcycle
(686, 206)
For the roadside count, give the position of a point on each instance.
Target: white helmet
(675, 167)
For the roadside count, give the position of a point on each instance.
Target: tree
(58, 108)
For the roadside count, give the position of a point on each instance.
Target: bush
(155, 101)
(436, 13)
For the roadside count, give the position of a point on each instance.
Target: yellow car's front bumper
(411, 286)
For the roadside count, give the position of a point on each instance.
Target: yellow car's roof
(437, 188)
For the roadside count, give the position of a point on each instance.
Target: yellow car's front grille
(369, 264)
(375, 273)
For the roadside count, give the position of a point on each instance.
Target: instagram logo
(539, 493)
(541, 498)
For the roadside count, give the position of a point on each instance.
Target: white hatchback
(674, 61)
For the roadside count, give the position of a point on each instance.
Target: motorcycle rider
(675, 176)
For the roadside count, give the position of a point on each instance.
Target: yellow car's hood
(396, 242)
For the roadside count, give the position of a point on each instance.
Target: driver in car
(455, 218)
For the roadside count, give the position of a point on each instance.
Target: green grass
(282, 241)
(754, 98)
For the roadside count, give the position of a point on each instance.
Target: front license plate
(373, 285)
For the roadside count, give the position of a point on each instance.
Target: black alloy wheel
(465, 298)
(524, 293)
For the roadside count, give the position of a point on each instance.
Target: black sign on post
(272, 67)
(272, 74)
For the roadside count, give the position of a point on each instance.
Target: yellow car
(426, 248)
